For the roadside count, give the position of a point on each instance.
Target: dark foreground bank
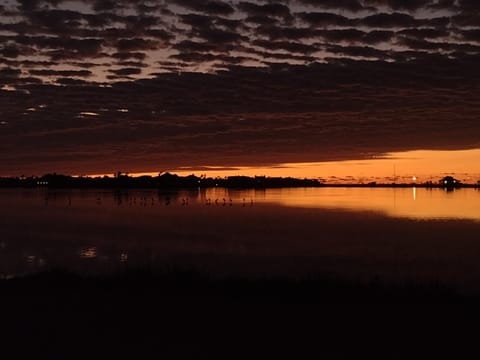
(197, 285)
(190, 315)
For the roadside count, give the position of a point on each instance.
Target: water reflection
(88, 253)
(363, 229)
(415, 203)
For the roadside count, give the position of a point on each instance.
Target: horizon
(419, 166)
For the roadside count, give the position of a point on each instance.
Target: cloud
(351, 5)
(270, 9)
(424, 33)
(9, 73)
(471, 35)
(211, 7)
(410, 5)
(126, 71)
(322, 19)
(64, 73)
(129, 55)
(135, 44)
(70, 82)
(393, 20)
(208, 81)
(153, 31)
(293, 47)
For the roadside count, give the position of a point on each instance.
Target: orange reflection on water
(413, 203)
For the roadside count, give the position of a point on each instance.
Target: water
(397, 234)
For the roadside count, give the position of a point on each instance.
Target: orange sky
(423, 165)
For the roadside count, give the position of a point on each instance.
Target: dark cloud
(136, 44)
(471, 35)
(351, 5)
(126, 71)
(211, 7)
(44, 64)
(292, 113)
(63, 47)
(105, 5)
(70, 82)
(420, 44)
(378, 36)
(9, 73)
(442, 4)
(270, 9)
(290, 33)
(358, 51)
(132, 64)
(131, 31)
(9, 51)
(129, 55)
(194, 57)
(189, 46)
(425, 33)
(321, 19)
(263, 54)
(466, 19)
(469, 5)
(261, 20)
(389, 20)
(65, 73)
(218, 36)
(296, 79)
(350, 35)
(410, 5)
(84, 65)
(293, 47)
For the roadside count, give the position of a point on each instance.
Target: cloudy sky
(94, 86)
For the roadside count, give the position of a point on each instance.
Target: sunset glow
(401, 167)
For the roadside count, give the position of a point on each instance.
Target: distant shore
(172, 181)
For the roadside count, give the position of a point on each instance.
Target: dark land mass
(184, 314)
(167, 180)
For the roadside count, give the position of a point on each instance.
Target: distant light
(414, 178)
(8, 88)
(123, 110)
(88, 253)
(88, 113)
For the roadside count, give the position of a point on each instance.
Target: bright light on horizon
(409, 166)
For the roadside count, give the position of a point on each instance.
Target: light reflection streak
(88, 252)
(394, 202)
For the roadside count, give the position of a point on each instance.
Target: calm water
(398, 234)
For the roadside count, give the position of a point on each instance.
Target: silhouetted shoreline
(172, 181)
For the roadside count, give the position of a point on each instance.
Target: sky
(90, 87)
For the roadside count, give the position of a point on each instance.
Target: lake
(396, 234)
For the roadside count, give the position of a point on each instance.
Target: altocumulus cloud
(233, 82)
